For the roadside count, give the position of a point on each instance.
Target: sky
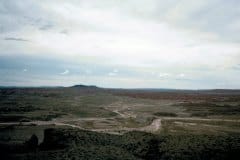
(182, 44)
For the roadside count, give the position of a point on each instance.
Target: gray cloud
(218, 16)
(16, 15)
(236, 67)
(64, 31)
(46, 27)
(15, 39)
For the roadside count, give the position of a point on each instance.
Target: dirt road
(153, 127)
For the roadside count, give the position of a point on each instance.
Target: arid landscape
(119, 80)
(204, 115)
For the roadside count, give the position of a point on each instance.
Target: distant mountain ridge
(94, 87)
(80, 86)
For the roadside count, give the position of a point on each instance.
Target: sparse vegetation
(208, 109)
(167, 114)
(72, 143)
(192, 125)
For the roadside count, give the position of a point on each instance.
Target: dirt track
(153, 127)
(121, 111)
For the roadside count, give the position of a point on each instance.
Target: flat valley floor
(183, 123)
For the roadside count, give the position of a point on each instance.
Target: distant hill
(80, 86)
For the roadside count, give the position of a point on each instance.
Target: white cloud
(181, 75)
(65, 72)
(87, 71)
(24, 70)
(115, 70)
(108, 34)
(164, 75)
(112, 74)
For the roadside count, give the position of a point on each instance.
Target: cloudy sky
(120, 43)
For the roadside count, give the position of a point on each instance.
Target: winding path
(153, 127)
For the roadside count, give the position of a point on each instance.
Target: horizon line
(138, 88)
